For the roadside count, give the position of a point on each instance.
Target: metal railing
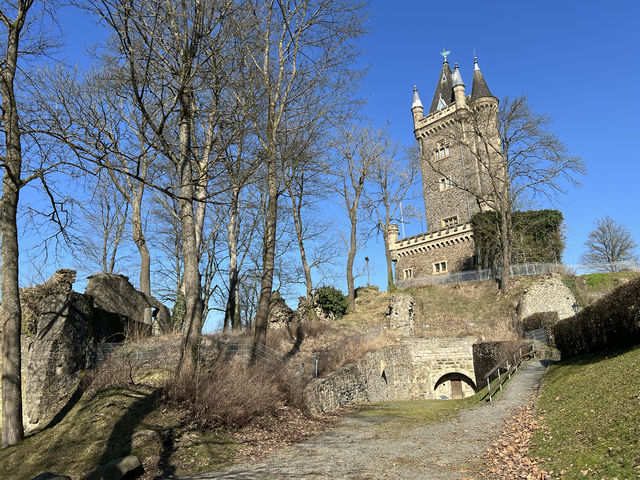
(517, 269)
(167, 355)
(507, 367)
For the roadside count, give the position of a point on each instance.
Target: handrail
(518, 358)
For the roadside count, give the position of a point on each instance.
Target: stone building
(449, 172)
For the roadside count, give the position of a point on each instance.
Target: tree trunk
(505, 277)
(10, 311)
(143, 250)
(191, 278)
(297, 220)
(231, 313)
(391, 286)
(350, 259)
(268, 256)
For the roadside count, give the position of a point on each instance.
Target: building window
(408, 273)
(450, 222)
(445, 183)
(442, 150)
(440, 267)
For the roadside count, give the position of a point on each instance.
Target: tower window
(442, 150)
(440, 267)
(408, 273)
(450, 222)
(445, 183)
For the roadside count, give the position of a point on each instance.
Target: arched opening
(456, 380)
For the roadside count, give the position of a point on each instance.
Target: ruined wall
(60, 346)
(402, 372)
(61, 330)
(114, 294)
(549, 294)
(378, 376)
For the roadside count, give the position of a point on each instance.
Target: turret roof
(479, 88)
(457, 78)
(416, 98)
(444, 88)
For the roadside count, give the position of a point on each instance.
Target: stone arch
(456, 376)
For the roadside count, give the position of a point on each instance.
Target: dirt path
(362, 448)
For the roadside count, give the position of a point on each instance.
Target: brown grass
(231, 393)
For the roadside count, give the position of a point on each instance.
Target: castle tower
(447, 173)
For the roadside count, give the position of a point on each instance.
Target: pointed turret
(443, 95)
(479, 88)
(416, 107)
(416, 99)
(457, 78)
(458, 89)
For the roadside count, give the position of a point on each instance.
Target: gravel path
(359, 448)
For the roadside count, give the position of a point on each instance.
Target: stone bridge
(417, 369)
(441, 367)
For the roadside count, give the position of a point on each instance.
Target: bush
(232, 393)
(610, 323)
(331, 300)
(539, 320)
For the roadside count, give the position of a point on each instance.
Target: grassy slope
(112, 423)
(590, 411)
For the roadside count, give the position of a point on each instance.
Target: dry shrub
(349, 351)
(230, 393)
(119, 369)
(284, 338)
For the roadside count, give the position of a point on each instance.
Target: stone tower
(448, 171)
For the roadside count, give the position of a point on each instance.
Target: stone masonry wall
(440, 204)
(549, 294)
(378, 376)
(402, 372)
(432, 358)
(459, 256)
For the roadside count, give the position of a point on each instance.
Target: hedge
(610, 323)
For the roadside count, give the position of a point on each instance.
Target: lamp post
(366, 259)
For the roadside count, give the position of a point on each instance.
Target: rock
(400, 314)
(549, 294)
(126, 467)
(50, 476)
(60, 344)
(115, 295)
(280, 315)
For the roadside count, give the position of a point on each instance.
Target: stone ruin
(62, 329)
(548, 294)
(400, 314)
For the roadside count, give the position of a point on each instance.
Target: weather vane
(444, 53)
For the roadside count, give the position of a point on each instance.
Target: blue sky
(576, 61)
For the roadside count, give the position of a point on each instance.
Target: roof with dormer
(443, 95)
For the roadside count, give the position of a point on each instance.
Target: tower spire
(479, 88)
(443, 95)
(416, 98)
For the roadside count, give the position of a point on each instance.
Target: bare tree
(299, 53)
(99, 239)
(610, 244)
(391, 180)
(23, 36)
(514, 157)
(358, 151)
(168, 48)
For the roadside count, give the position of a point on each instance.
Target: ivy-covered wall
(536, 236)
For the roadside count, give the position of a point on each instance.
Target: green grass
(394, 416)
(590, 411)
(113, 423)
